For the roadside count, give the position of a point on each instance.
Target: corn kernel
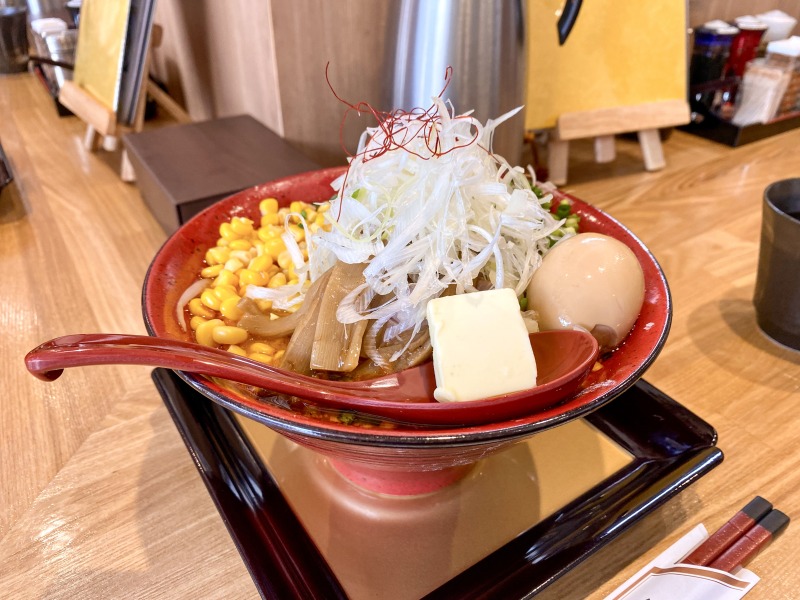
(217, 255)
(196, 321)
(227, 334)
(260, 263)
(274, 246)
(243, 256)
(267, 232)
(227, 232)
(204, 332)
(323, 207)
(233, 265)
(241, 226)
(230, 308)
(248, 277)
(225, 292)
(268, 205)
(226, 277)
(263, 358)
(198, 309)
(311, 215)
(264, 305)
(240, 245)
(277, 280)
(228, 289)
(236, 349)
(279, 355)
(320, 218)
(296, 206)
(211, 272)
(270, 219)
(261, 348)
(285, 259)
(298, 233)
(210, 299)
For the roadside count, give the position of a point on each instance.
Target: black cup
(74, 9)
(777, 293)
(13, 39)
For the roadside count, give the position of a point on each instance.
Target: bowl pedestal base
(397, 482)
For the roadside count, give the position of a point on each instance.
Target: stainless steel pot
(484, 43)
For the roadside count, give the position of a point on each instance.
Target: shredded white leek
(427, 205)
(190, 292)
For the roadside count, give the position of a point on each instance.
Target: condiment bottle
(744, 45)
(710, 51)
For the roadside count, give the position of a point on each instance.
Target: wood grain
(220, 63)
(90, 110)
(99, 497)
(609, 121)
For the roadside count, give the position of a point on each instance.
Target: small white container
(786, 54)
(44, 27)
(779, 25)
(53, 39)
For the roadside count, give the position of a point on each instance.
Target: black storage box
(719, 130)
(182, 169)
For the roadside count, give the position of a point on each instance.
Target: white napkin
(665, 578)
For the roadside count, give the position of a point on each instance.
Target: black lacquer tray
(671, 448)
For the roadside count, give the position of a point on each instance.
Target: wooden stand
(604, 124)
(102, 128)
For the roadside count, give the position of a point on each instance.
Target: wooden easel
(603, 124)
(102, 128)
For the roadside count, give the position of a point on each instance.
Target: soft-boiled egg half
(592, 281)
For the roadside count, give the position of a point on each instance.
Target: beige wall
(308, 35)
(223, 61)
(218, 58)
(701, 11)
(267, 58)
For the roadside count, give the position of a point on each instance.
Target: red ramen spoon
(563, 358)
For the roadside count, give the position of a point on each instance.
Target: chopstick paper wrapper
(665, 578)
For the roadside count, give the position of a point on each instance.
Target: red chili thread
(395, 126)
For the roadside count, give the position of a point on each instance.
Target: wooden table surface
(99, 497)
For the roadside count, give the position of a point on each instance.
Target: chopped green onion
(563, 210)
(427, 208)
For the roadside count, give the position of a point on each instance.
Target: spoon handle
(48, 360)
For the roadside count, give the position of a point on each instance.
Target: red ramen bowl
(393, 458)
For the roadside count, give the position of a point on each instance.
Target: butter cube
(480, 346)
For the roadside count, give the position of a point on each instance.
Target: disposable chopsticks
(740, 540)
